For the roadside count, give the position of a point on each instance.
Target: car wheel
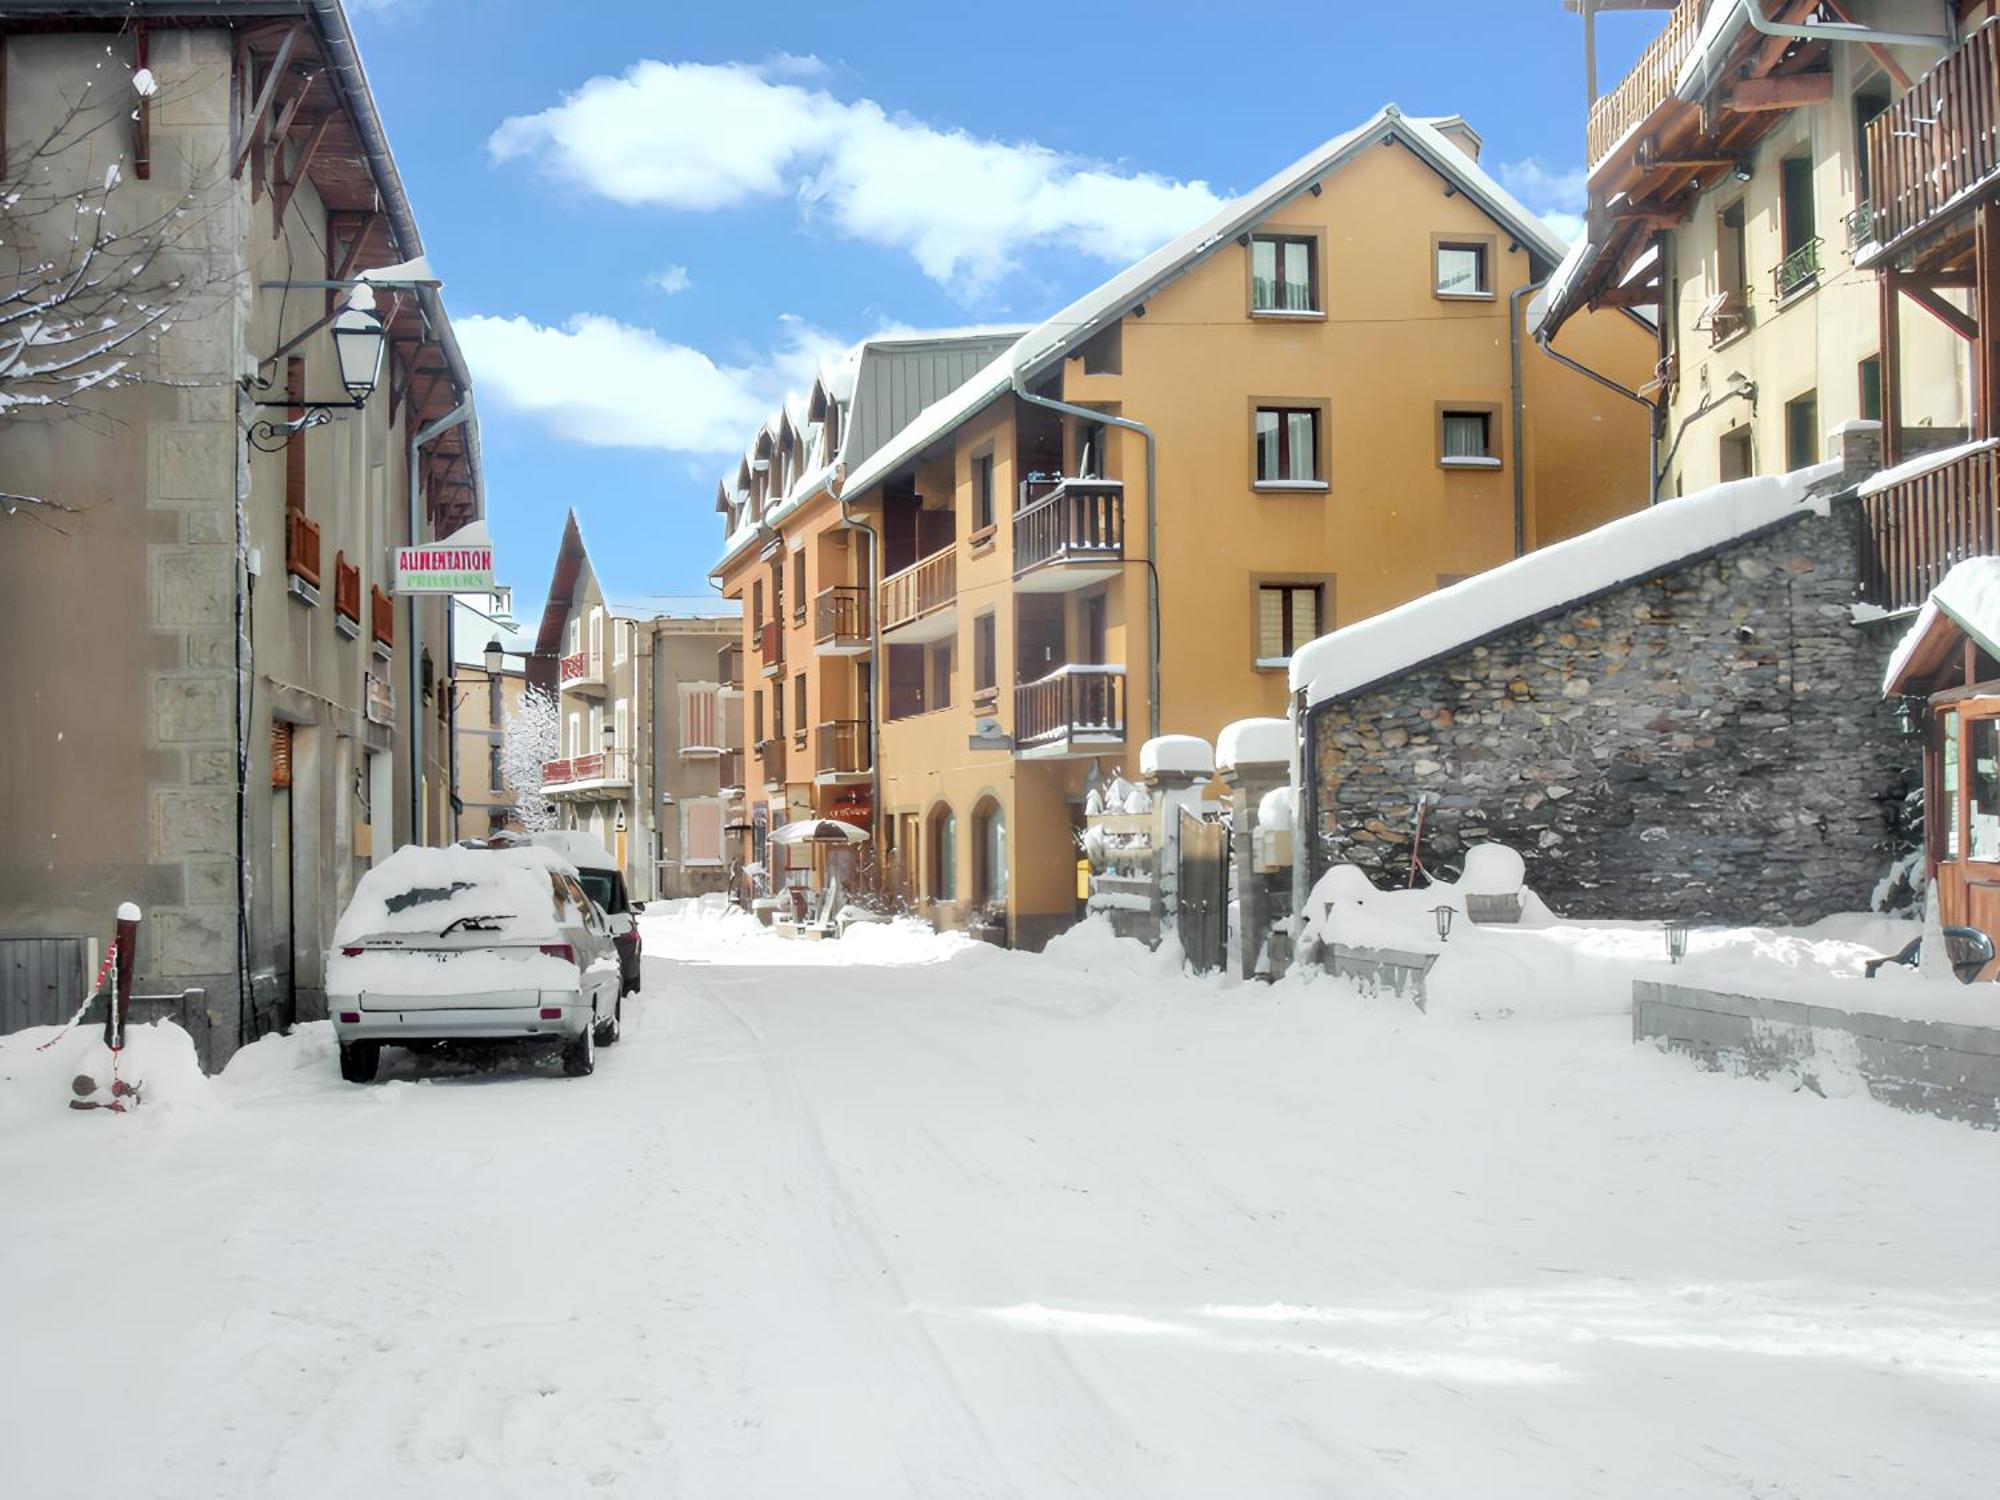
(607, 1034)
(580, 1056)
(359, 1060)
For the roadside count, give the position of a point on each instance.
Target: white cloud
(703, 137)
(607, 384)
(1557, 194)
(670, 279)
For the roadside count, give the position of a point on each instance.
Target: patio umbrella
(819, 831)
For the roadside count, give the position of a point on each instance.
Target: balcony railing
(843, 747)
(1940, 139)
(771, 646)
(729, 666)
(1796, 271)
(840, 616)
(582, 668)
(771, 760)
(605, 768)
(923, 588)
(1649, 85)
(1912, 532)
(302, 547)
(346, 588)
(1860, 222)
(729, 770)
(1072, 704)
(1076, 520)
(382, 610)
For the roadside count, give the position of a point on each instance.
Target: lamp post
(1677, 940)
(1442, 915)
(358, 342)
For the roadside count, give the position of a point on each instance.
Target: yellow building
(1309, 409)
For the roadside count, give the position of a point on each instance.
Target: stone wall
(1709, 743)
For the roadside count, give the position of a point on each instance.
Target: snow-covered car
(472, 945)
(605, 882)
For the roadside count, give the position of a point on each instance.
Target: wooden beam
(1695, 163)
(265, 95)
(1644, 295)
(1752, 95)
(1889, 295)
(348, 261)
(281, 195)
(1652, 219)
(1881, 54)
(142, 117)
(1958, 322)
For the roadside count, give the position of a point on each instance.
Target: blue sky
(653, 219)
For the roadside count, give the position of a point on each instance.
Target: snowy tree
(527, 743)
(88, 284)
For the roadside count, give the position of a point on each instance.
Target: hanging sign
(461, 563)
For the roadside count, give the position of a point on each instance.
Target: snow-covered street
(908, 1217)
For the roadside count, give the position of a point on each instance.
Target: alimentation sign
(461, 563)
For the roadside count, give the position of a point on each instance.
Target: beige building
(223, 713)
(647, 754)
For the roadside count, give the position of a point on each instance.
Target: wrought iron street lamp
(358, 341)
(1677, 940)
(1442, 915)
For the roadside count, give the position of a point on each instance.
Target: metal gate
(41, 981)
(1203, 893)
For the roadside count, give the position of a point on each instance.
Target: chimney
(1460, 134)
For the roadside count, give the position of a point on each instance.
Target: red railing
(302, 547)
(840, 616)
(1077, 520)
(605, 765)
(1646, 87)
(923, 587)
(346, 588)
(1071, 702)
(1912, 532)
(583, 666)
(1941, 138)
(843, 747)
(382, 609)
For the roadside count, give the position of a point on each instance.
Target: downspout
(459, 413)
(1547, 343)
(1152, 529)
(1514, 366)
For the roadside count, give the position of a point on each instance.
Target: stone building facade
(1707, 743)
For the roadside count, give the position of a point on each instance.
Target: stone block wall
(1709, 743)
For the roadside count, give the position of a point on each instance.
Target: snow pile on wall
(1493, 870)
(1969, 596)
(1250, 742)
(1277, 809)
(1631, 547)
(1186, 754)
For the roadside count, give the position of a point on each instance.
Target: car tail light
(623, 938)
(352, 952)
(559, 950)
(350, 1018)
(551, 1012)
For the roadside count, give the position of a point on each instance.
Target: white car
(472, 945)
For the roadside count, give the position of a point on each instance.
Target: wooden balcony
(608, 770)
(1929, 149)
(840, 621)
(771, 647)
(302, 547)
(346, 592)
(843, 746)
(1075, 710)
(920, 603)
(382, 617)
(583, 672)
(729, 667)
(771, 760)
(1648, 86)
(1912, 532)
(1070, 534)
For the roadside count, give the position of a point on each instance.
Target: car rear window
(522, 895)
(605, 887)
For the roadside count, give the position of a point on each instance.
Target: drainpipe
(1546, 341)
(1752, 11)
(460, 413)
(1514, 366)
(1152, 530)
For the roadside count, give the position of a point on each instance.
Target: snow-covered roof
(1053, 338)
(1632, 547)
(1969, 597)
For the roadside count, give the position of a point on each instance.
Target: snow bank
(36, 1086)
(452, 883)
(1632, 547)
(1254, 742)
(1493, 870)
(1186, 754)
(1969, 596)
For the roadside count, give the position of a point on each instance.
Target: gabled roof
(1965, 604)
(571, 560)
(1052, 340)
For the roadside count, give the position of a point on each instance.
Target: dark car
(604, 883)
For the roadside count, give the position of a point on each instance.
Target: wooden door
(1962, 806)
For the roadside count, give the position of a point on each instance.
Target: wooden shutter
(281, 755)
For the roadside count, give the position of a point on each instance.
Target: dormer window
(1284, 274)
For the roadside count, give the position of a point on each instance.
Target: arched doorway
(989, 854)
(941, 854)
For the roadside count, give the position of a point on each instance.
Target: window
(701, 831)
(985, 656)
(940, 673)
(1467, 437)
(494, 778)
(1983, 806)
(1287, 443)
(1735, 456)
(495, 704)
(1284, 274)
(1728, 311)
(757, 603)
(1463, 269)
(1802, 430)
(621, 639)
(777, 710)
(943, 854)
(1800, 267)
(982, 492)
(621, 726)
(799, 705)
(1287, 617)
(799, 587)
(1948, 777)
(989, 865)
(701, 716)
(757, 717)
(1870, 372)
(1871, 101)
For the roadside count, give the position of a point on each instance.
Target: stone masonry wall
(1708, 744)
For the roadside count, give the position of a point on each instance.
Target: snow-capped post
(125, 962)
(1255, 758)
(1174, 768)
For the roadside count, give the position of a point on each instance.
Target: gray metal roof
(897, 379)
